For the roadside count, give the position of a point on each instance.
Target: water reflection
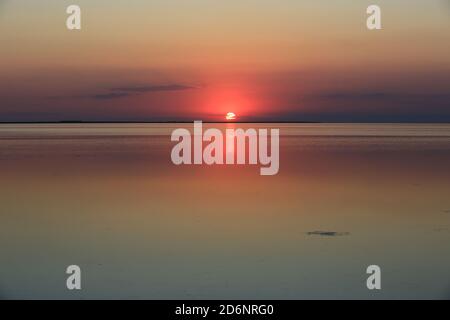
(109, 199)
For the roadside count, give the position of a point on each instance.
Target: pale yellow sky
(208, 34)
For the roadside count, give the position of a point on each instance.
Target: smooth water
(107, 197)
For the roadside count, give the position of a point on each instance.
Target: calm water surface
(108, 198)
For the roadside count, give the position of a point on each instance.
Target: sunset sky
(199, 59)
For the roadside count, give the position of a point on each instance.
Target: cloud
(356, 95)
(112, 95)
(442, 99)
(169, 87)
(327, 233)
(128, 91)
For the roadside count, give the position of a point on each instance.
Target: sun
(230, 116)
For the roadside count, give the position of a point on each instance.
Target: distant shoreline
(184, 122)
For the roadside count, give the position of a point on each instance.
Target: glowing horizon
(183, 61)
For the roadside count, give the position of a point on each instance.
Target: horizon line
(192, 121)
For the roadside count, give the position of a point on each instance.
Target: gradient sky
(198, 59)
